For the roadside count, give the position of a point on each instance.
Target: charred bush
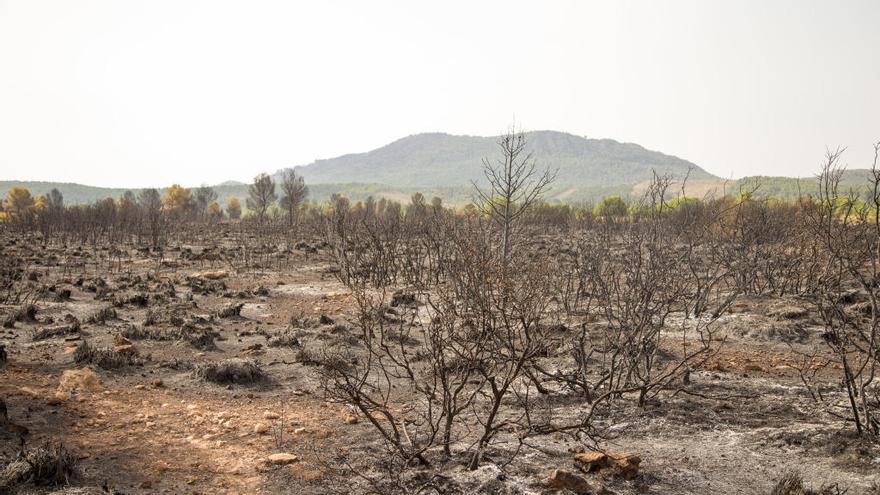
(233, 371)
(101, 316)
(48, 465)
(55, 331)
(230, 310)
(105, 357)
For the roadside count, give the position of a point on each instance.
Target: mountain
(444, 165)
(73, 193)
(442, 160)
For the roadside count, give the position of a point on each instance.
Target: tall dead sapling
(294, 192)
(261, 195)
(514, 184)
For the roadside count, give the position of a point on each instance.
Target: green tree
(611, 207)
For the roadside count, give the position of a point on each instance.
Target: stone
(589, 462)
(282, 458)
(260, 429)
(625, 465)
(126, 349)
(566, 480)
(620, 464)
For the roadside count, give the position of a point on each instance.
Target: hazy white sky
(137, 93)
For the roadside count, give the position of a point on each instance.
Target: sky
(147, 93)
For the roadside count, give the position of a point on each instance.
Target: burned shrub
(71, 326)
(101, 316)
(140, 300)
(284, 339)
(26, 313)
(308, 358)
(177, 319)
(403, 298)
(792, 483)
(151, 318)
(62, 295)
(204, 286)
(233, 371)
(49, 465)
(105, 357)
(144, 333)
(200, 338)
(230, 310)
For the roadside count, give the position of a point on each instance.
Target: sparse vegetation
(510, 335)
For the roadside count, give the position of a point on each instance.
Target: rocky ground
(114, 363)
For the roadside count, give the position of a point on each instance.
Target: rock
(565, 480)
(79, 380)
(589, 462)
(59, 397)
(282, 458)
(624, 465)
(260, 429)
(126, 349)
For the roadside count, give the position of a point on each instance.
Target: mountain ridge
(448, 160)
(442, 164)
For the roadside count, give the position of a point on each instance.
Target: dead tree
(514, 184)
(848, 230)
(261, 195)
(294, 192)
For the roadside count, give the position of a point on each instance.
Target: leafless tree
(848, 230)
(203, 196)
(514, 184)
(151, 205)
(261, 195)
(294, 192)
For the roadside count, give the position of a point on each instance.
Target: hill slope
(443, 160)
(443, 165)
